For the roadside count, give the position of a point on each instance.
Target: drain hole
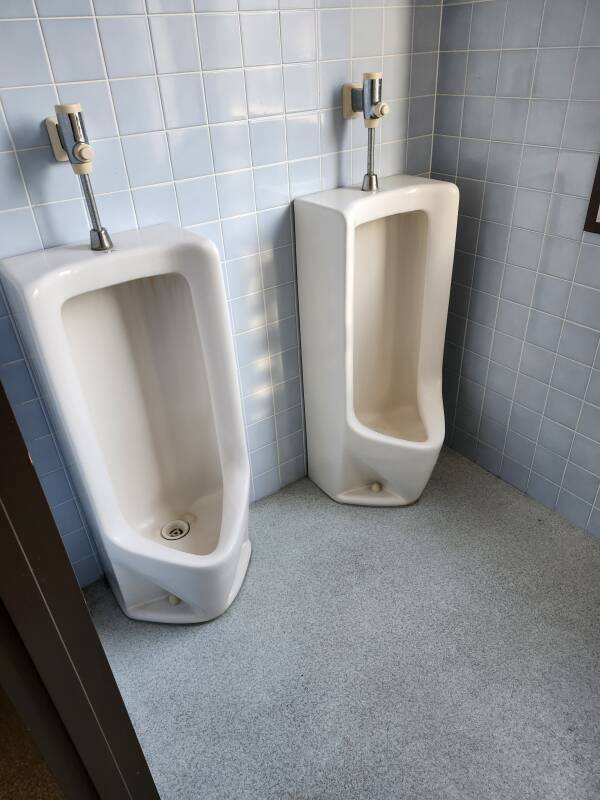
(176, 529)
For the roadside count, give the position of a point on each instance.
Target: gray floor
(446, 650)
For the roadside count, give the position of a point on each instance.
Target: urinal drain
(176, 529)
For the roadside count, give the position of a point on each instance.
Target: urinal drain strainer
(176, 529)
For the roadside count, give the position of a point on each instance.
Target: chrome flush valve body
(366, 99)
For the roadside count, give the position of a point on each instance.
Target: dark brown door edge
(45, 605)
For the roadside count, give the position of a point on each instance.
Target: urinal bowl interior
(144, 382)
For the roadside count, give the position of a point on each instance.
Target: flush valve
(69, 141)
(366, 99)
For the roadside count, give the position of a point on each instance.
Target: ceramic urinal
(374, 272)
(134, 355)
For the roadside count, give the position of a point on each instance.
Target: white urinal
(134, 353)
(374, 274)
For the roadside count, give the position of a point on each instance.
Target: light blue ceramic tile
(56, 487)
(574, 173)
(10, 349)
(263, 460)
(250, 347)
(225, 95)
(335, 132)
(573, 508)
(248, 312)
(277, 267)
(155, 204)
(259, 406)
(545, 122)
(113, 7)
(290, 446)
(280, 302)
(332, 76)
(44, 455)
(274, 228)
(562, 22)
(559, 257)
(87, 571)
(17, 382)
(64, 8)
(537, 362)
(22, 58)
(197, 200)
(47, 179)
(31, 420)
(591, 25)
(18, 233)
(260, 39)
(335, 34)
(12, 190)
(283, 334)
(220, 44)
(554, 72)
(267, 141)
(397, 30)
(5, 142)
(235, 191)
(582, 128)
(25, 110)
(482, 72)
(215, 5)
(147, 159)
(542, 490)
(523, 20)
(266, 484)
(62, 223)
(289, 422)
(586, 454)
(255, 378)
(264, 91)
(538, 167)
(82, 59)
(183, 100)
(230, 146)
(285, 366)
(243, 276)
(116, 211)
(288, 394)
(452, 74)
(271, 186)
(169, 6)
(531, 209)
(261, 434)
(190, 152)
(16, 8)
(584, 307)
(567, 216)
(578, 343)
(563, 408)
(298, 36)
(77, 546)
(367, 29)
(258, 5)
(551, 295)
(300, 83)
(588, 272)
(240, 236)
(556, 438)
(174, 43)
(302, 136)
(109, 167)
(137, 105)
(126, 46)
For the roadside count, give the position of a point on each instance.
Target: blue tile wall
(518, 129)
(212, 115)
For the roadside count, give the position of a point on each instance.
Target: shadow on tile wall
(212, 116)
(518, 129)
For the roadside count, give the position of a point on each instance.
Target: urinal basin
(134, 353)
(374, 272)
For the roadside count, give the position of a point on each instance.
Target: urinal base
(161, 610)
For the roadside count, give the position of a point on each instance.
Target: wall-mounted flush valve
(70, 143)
(366, 99)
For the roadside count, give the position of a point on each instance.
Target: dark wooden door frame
(49, 616)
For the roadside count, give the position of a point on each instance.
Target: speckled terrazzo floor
(446, 650)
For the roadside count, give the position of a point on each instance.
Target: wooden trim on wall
(592, 221)
(40, 593)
